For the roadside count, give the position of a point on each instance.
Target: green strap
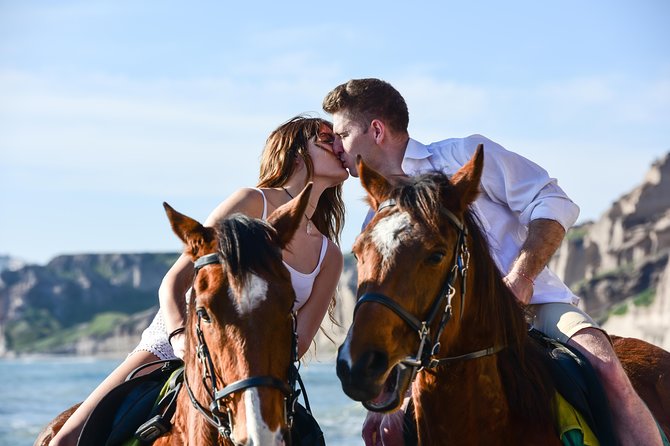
(573, 437)
(663, 437)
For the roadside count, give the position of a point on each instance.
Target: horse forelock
(421, 197)
(417, 204)
(248, 250)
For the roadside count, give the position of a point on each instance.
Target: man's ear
(378, 129)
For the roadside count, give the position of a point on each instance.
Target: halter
(429, 348)
(219, 414)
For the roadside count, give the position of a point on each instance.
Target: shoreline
(321, 356)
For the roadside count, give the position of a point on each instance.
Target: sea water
(34, 391)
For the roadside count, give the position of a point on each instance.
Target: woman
(298, 151)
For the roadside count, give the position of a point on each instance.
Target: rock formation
(619, 263)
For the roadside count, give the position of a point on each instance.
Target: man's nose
(338, 148)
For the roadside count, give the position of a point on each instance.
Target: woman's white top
(155, 337)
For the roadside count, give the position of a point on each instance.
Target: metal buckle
(153, 429)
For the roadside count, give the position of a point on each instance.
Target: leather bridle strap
(255, 381)
(465, 357)
(211, 417)
(394, 306)
(207, 259)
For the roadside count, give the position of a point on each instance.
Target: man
(525, 216)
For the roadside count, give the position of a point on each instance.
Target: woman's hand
(177, 340)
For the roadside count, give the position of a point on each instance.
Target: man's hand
(371, 428)
(520, 285)
(544, 238)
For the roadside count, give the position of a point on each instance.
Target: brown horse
(431, 298)
(240, 332)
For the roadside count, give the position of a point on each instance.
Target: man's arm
(544, 238)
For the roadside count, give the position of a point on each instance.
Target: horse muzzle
(361, 378)
(371, 380)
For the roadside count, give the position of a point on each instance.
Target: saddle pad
(573, 430)
(125, 408)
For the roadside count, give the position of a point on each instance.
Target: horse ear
(286, 218)
(373, 182)
(193, 234)
(466, 179)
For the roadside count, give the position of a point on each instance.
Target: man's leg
(386, 429)
(632, 420)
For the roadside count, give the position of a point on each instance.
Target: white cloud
(100, 127)
(162, 138)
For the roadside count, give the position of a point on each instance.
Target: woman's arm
(171, 294)
(325, 287)
(179, 277)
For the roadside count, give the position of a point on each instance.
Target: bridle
(219, 414)
(426, 356)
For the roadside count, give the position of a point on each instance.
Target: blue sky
(109, 108)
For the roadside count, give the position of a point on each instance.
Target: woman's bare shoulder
(333, 257)
(247, 201)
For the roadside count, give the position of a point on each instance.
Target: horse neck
(495, 399)
(491, 316)
(464, 394)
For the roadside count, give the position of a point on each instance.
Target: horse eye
(436, 257)
(202, 313)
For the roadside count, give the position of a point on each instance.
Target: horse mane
(494, 310)
(246, 245)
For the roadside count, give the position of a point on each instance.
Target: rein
(219, 414)
(425, 357)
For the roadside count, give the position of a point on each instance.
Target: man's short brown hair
(366, 99)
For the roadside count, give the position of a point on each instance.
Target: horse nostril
(343, 371)
(372, 364)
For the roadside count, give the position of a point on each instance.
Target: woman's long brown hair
(283, 147)
(278, 162)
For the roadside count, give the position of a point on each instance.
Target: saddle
(124, 411)
(577, 383)
(139, 410)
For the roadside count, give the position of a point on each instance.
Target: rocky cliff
(619, 263)
(99, 304)
(41, 305)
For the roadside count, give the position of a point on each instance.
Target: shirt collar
(415, 150)
(415, 158)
